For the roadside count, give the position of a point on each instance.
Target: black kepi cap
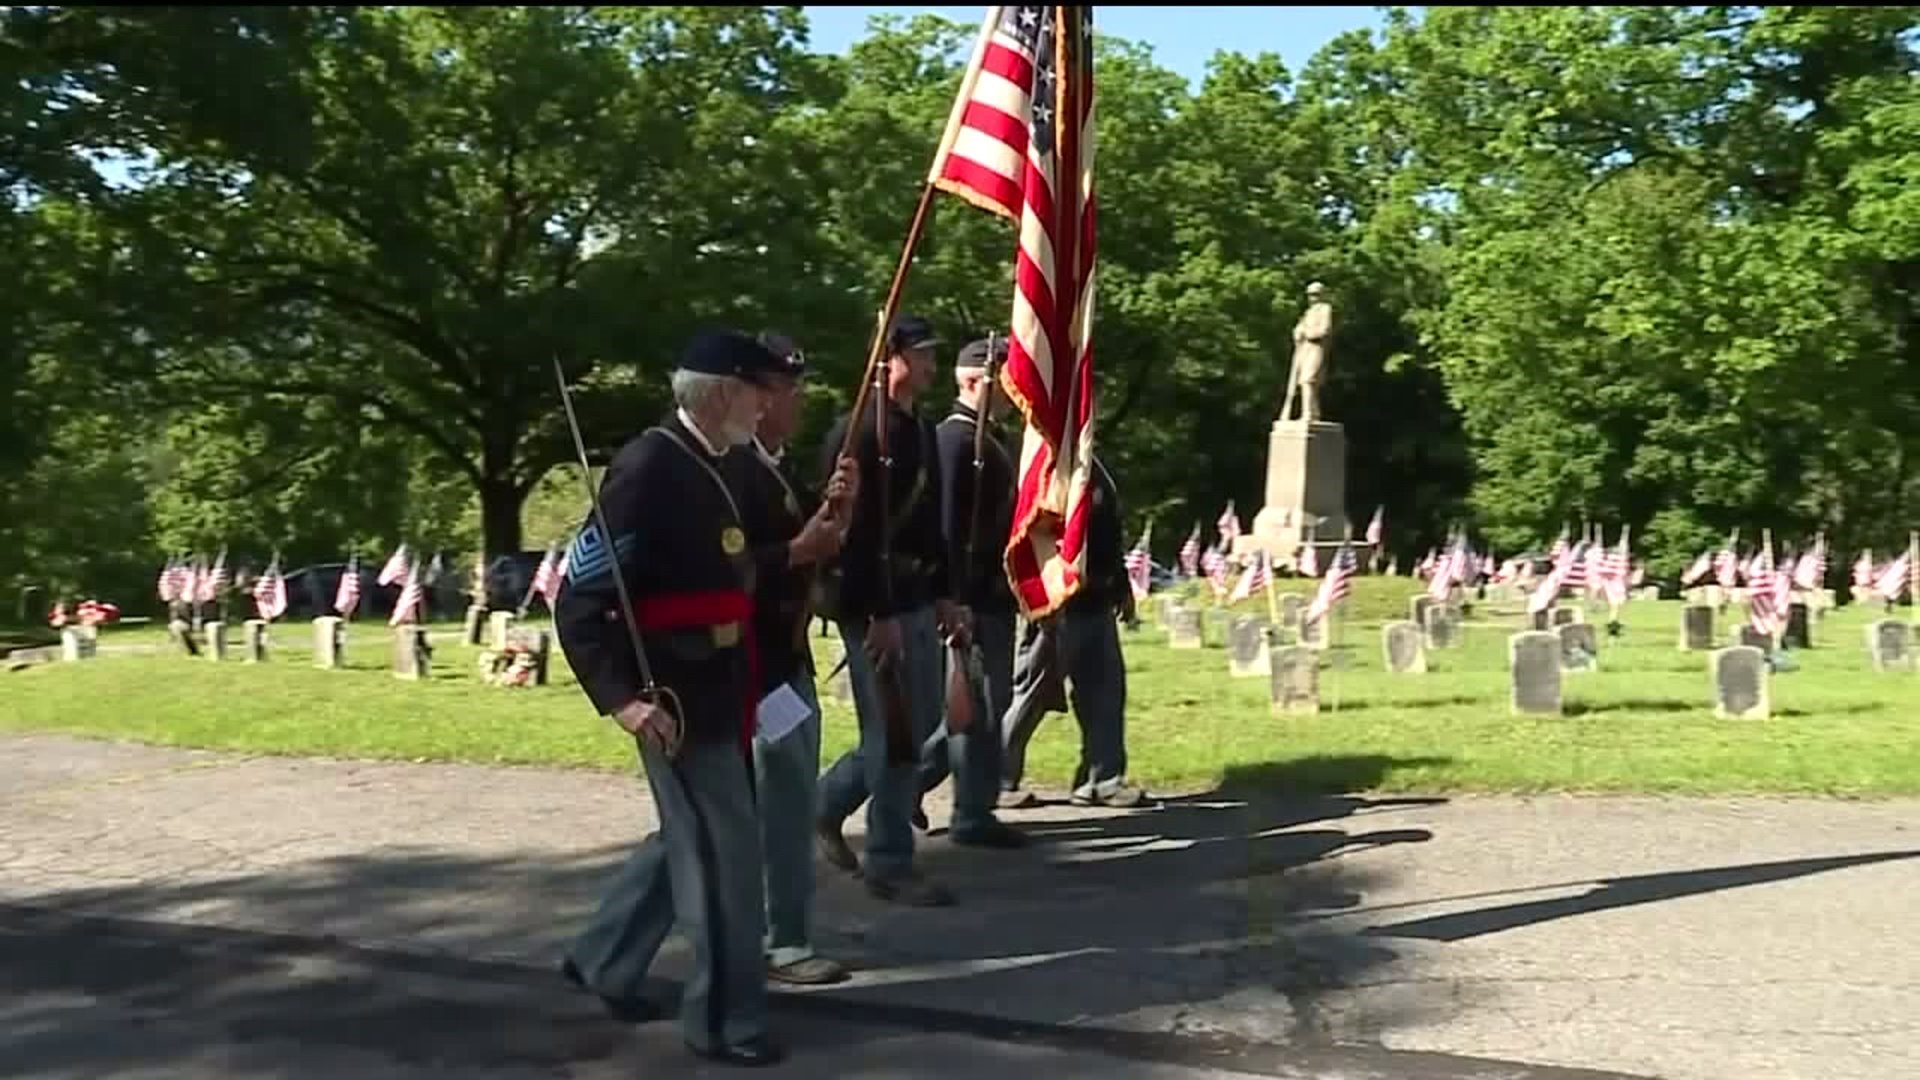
(910, 332)
(793, 361)
(731, 353)
(974, 354)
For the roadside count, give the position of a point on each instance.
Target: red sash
(681, 611)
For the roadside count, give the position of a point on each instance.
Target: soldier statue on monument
(1306, 454)
(1310, 336)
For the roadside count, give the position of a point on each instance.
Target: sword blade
(600, 519)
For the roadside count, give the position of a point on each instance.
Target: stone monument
(1306, 456)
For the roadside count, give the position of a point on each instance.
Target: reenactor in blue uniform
(677, 532)
(976, 516)
(787, 767)
(1080, 644)
(891, 593)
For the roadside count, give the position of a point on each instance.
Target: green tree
(397, 208)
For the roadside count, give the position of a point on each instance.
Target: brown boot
(833, 846)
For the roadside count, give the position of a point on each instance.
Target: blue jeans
(863, 774)
(788, 774)
(974, 758)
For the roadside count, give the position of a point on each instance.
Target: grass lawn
(1644, 722)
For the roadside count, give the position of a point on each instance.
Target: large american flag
(1020, 143)
(1336, 585)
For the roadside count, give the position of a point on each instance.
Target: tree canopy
(295, 277)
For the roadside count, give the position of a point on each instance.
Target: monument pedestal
(1306, 492)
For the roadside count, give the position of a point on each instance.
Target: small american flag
(1812, 568)
(1229, 526)
(169, 583)
(1448, 568)
(1138, 572)
(1863, 570)
(1892, 579)
(1252, 579)
(1309, 565)
(346, 598)
(1215, 566)
(1019, 143)
(1190, 553)
(546, 580)
(1698, 570)
(1336, 585)
(270, 592)
(210, 584)
(396, 567)
(1726, 564)
(1575, 574)
(1376, 529)
(405, 609)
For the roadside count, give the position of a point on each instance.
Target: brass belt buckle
(726, 635)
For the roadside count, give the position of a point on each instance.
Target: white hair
(698, 392)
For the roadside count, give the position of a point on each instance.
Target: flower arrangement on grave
(511, 666)
(88, 613)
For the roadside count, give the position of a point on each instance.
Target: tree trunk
(500, 500)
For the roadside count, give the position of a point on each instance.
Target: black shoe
(625, 1010)
(752, 1053)
(997, 834)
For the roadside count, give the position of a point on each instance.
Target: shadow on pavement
(1145, 924)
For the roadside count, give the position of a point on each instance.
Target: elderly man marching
(674, 527)
(787, 764)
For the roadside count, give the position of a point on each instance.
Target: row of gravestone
(1538, 662)
(1697, 629)
(412, 649)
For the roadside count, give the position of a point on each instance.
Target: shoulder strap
(701, 461)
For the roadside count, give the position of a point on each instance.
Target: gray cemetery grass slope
(1642, 723)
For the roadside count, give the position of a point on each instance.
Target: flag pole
(1339, 630)
(1913, 575)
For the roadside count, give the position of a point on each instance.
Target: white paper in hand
(779, 713)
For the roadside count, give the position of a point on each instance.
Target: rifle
(964, 664)
(902, 747)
